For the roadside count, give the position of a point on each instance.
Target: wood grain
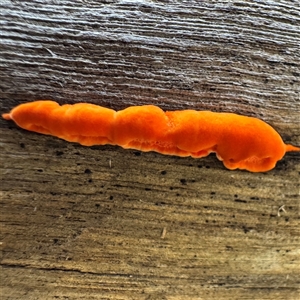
(107, 223)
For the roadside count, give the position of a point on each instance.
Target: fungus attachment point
(291, 148)
(6, 116)
(240, 142)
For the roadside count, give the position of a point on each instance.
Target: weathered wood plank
(107, 223)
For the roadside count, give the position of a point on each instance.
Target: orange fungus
(240, 142)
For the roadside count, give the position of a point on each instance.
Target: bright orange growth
(239, 141)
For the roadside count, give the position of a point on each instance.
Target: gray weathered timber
(106, 223)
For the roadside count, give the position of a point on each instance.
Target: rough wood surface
(107, 223)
